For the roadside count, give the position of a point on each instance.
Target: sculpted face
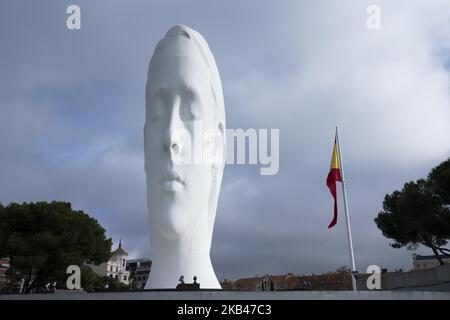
(184, 144)
(180, 100)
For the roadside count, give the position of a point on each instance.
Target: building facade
(333, 281)
(427, 262)
(4, 266)
(115, 267)
(139, 271)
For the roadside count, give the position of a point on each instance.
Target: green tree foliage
(42, 239)
(91, 282)
(419, 213)
(439, 180)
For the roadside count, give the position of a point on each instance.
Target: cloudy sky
(72, 114)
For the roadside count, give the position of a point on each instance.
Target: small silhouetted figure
(188, 286)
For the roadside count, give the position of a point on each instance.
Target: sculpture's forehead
(178, 72)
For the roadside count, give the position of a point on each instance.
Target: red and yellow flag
(333, 176)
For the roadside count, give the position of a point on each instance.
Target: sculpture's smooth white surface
(183, 90)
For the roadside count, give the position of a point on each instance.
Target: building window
(125, 278)
(117, 277)
(111, 275)
(123, 262)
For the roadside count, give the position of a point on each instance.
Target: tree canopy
(439, 180)
(419, 213)
(42, 239)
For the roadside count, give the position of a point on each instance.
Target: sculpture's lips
(172, 181)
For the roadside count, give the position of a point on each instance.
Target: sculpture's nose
(172, 142)
(173, 146)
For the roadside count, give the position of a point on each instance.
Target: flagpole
(347, 218)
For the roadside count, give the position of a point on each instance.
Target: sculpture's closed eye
(189, 107)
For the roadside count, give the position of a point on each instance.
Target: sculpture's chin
(170, 223)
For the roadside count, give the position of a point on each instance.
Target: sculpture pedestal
(238, 295)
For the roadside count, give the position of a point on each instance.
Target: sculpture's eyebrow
(195, 92)
(164, 90)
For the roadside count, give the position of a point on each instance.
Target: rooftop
(138, 260)
(430, 257)
(119, 250)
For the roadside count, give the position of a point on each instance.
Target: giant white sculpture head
(184, 162)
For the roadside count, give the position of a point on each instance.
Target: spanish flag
(333, 176)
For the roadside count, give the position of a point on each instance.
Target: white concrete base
(239, 295)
